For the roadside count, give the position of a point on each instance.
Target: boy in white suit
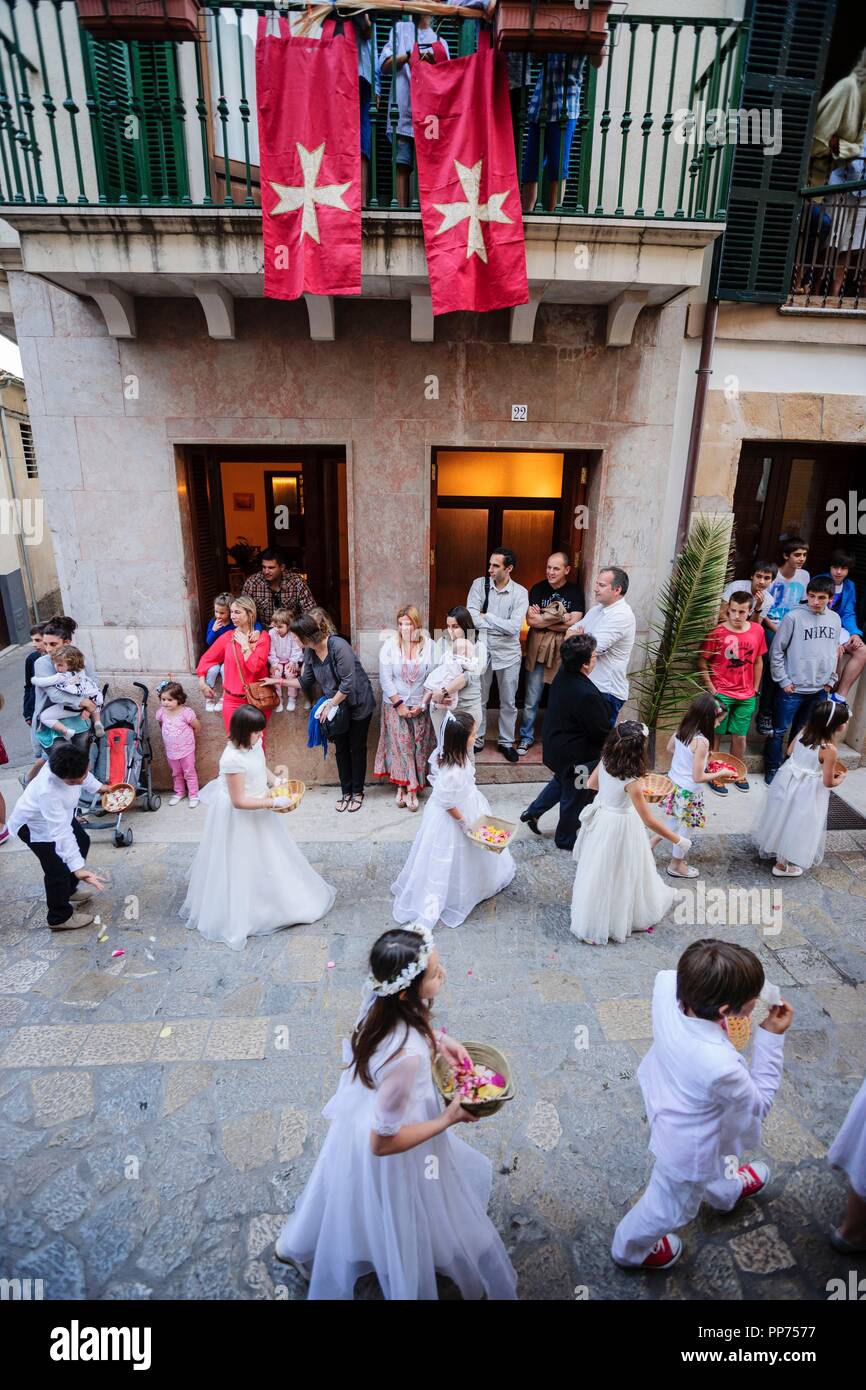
(703, 1104)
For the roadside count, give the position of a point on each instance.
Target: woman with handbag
(243, 654)
(347, 709)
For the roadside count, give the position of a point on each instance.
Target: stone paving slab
(161, 1111)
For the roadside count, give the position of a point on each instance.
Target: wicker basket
(294, 790)
(129, 797)
(443, 1075)
(656, 786)
(735, 764)
(497, 824)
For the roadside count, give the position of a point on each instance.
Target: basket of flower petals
(728, 768)
(656, 787)
(492, 833)
(119, 797)
(293, 789)
(484, 1085)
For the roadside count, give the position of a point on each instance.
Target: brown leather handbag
(259, 695)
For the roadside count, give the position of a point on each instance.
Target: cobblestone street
(160, 1110)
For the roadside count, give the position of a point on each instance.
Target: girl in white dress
(617, 890)
(249, 877)
(447, 874)
(683, 808)
(848, 1152)
(393, 1191)
(792, 824)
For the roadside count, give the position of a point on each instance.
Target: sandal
(343, 803)
(356, 801)
(691, 872)
(400, 799)
(412, 801)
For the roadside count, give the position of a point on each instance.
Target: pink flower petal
(117, 953)
(331, 964)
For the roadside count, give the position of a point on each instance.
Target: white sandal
(691, 872)
(792, 871)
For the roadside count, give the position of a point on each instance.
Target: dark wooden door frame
(576, 465)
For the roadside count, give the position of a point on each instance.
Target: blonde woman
(243, 654)
(406, 737)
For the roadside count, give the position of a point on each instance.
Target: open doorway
(244, 501)
(523, 499)
(788, 490)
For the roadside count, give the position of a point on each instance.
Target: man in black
(548, 625)
(575, 727)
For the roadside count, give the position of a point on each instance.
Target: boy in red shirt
(731, 661)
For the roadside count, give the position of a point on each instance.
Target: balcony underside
(116, 255)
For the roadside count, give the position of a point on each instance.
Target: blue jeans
(531, 701)
(614, 705)
(561, 791)
(790, 712)
(212, 675)
(552, 150)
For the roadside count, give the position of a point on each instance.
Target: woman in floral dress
(406, 738)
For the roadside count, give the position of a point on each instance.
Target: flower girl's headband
(411, 971)
(833, 699)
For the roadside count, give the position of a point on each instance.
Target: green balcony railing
(87, 122)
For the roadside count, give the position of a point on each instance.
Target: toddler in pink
(285, 658)
(179, 728)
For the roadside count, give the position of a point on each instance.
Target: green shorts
(739, 715)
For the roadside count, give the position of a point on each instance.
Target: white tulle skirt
(446, 875)
(249, 877)
(617, 889)
(848, 1150)
(404, 1217)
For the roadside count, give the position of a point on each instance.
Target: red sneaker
(754, 1177)
(664, 1253)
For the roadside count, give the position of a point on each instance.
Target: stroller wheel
(154, 801)
(123, 838)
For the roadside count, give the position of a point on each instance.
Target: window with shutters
(28, 450)
(133, 97)
(787, 52)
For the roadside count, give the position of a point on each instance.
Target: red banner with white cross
(467, 182)
(310, 159)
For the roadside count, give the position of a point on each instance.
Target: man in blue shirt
(852, 653)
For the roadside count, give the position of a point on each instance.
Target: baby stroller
(124, 754)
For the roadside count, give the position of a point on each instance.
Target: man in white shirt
(612, 623)
(44, 819)
(497, 606)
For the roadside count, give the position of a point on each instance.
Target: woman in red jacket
(243, 654)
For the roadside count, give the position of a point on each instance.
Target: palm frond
(688, 608)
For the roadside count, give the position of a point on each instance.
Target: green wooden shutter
(787, 52)
(139, 80)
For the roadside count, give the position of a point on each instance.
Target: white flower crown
(411, 971)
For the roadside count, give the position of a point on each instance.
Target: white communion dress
(249, 877)
(617, 889)
(848, 1150)
(792, 824)
(446, 874)
(403, 1216)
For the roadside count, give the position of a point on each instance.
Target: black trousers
(60, 884)
(571, 799)
(351, 753)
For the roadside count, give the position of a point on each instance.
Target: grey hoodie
(805, 649)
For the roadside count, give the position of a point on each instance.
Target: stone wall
(109, 414)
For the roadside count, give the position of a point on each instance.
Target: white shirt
(702, 1101)
(394, 668)
(614, 629)
(46, 807)
(503, 621)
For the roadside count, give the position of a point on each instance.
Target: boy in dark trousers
(44, 819)
(803, 661)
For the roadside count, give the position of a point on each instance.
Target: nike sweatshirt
(805, 649)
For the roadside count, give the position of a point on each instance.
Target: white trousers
(668, 1202)
(506, 681)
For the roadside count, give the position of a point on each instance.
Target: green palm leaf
(688, 608)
